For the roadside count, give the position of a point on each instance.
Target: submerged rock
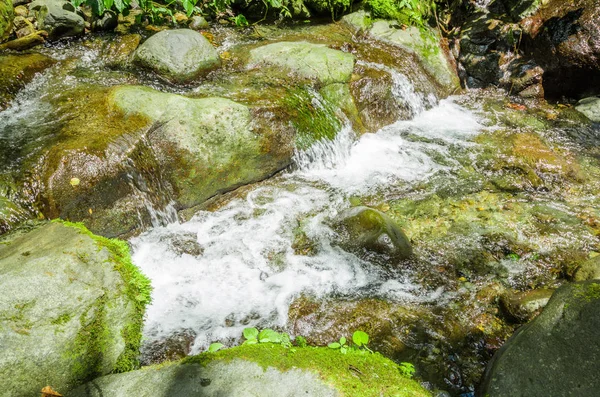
(71, 308)
(178, 55)
(18, 70)
(57, 17)
(367, 228)
(524, 306)
(306, 60)
(266, 370)
(556, 354)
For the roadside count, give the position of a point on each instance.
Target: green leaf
(188, 6)
(268, 335)
(215, 347)
(360, 338)
(108, 4)
(121, 5)
(334, 345)
(250, 333)
(97, 7)
(407, 369)
(342, 340)
(250, 342)
(344, 349)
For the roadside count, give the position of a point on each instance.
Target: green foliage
(301, 341)
(268, 335)
(215, 347)
(342, 345)
(408, 12)
(360, 338)
(407, 369)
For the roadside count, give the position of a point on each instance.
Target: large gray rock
(590, 107)
(557, 354)
(71, 309)
(309, 61)
(178, 55)
(238, 378)
(58, 18)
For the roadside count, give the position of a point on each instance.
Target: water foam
(245, 271)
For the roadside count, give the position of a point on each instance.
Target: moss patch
(138, 290)
(357, 373)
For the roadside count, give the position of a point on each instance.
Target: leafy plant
(340, 345)
(407, 369)
(360, 338)
(214, 347)
(268, 335)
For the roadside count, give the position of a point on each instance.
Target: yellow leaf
(75, 181)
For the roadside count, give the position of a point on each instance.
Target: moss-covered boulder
(71, 308)
(179, 56)
(6, 17)
(425, 45)
(555, 354)
(308, 61)
(363, 228)
(589, 270)
(264, 370)
(18, 70)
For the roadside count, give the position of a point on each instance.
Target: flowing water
(245, 271)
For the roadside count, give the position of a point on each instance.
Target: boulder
(198, 22)
(425, 45)
(264, 369)
(6, 17)
(309, 61)
(564, 39)
(589, 270)
(363, 228)
(590, 107)
(71, 308)
(179, 56)
(556, 354)
(524, 306)
(57, 17)
(107, 22)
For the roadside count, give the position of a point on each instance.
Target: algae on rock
(87, 321)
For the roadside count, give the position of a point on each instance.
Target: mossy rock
(179, 56)
(18, 70)
(425, 45)
(363, 228)
(266, 370)
(314, 62)
(71, 308)
(555, 354)
(6, 17)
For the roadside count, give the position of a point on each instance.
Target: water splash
(241, 267)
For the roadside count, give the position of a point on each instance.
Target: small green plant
(407, 369)
(253, 337)
(342, 345)
(215, 347)
(360, 338)
(513, 257)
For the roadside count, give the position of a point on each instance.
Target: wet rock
(425, 45)
(178, 55)
(563, 39)
(176, 347)
(119, 51)
(71, 308)
(263, 370)
(358, 21)
(18, 70)
(366, 228)
(6, 17)
(197, 22)
(524, 306)
(555, 354)
(589, 270)
(21, 11)
(306, 60)
(106, 23)
(57, 17)
(22, 27)
(590, 107)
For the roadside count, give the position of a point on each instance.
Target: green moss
(138, 290)
(357, 373)
(410, 12)
(62, 319)
(588, 292)
(313, 117)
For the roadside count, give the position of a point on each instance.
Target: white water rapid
(244, 271)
